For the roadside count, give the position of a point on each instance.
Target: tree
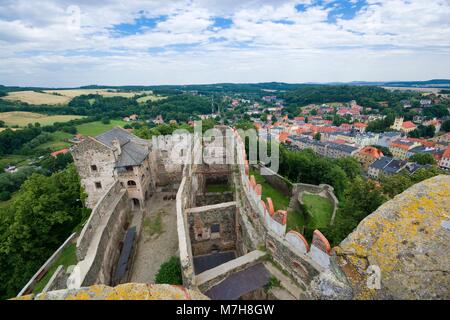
(393, 185)
(351, 167)
(244, 125)
(53, 164)
(446, 126)
(42, 214)
(106, 120)
(170, 272)
(362, 197)
(263, 117)
(423, 158)
(423, 132)
(317, 136)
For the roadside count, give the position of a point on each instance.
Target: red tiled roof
(371, 151)
(423, 142)
(62, 151)
(360, 125)
(283, 136)
(446, 152)
(408, 125)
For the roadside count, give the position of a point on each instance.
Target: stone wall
(108, 249)
(214, 276)
(201, 219)
(209, 198)
(184, 241)
(275, 180)
(323, 190)
(289, 249)
(98, 245)
(167, 157)
(299, 265)
(57, 281)
(89, 153)
(103, 206)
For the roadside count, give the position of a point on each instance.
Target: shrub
(106, 121)
(170, 272)
(5, 195)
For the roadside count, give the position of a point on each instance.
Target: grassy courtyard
(295, 220)
(280, 201)
(319, 210)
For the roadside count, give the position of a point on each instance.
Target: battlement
(275, 220)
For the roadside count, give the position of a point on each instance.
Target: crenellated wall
(289, 249)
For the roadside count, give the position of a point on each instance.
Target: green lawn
(59, 141)
(320, 210)
(151, 98)
(97, 127)
(13, 160)
(280, 201)
(295, 220)
(224, 187)
(67, 258)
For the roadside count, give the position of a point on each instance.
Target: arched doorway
(135, 204)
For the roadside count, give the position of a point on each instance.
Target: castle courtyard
(158, 240)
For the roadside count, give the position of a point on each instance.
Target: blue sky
(68, 43)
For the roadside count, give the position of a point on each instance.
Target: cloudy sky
(112, 42)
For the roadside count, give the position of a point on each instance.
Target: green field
(320, 210)
(151, 98)
(67, 258)
(22, 118)
(12, 160)
(97, 127)
(60, 141)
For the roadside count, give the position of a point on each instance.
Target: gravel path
(153, 251)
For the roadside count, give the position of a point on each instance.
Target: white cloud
(268, 41)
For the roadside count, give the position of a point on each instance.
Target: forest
(42, 214)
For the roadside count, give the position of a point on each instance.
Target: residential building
(400, 148)
(375, 169)
(420, 149)
(326, 149)
(403, 126)
(368, 155)
(385, 166)
(360, 127)
(445, 160)
(336, 150)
